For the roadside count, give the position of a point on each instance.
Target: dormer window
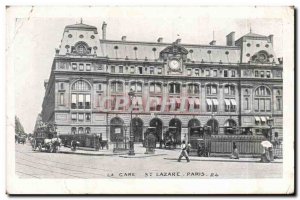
(81, 48)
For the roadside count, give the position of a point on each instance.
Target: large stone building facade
(175, 85)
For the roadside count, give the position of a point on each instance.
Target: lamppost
(125, 129)
(131, 95)
(270, 121)
(213, 123)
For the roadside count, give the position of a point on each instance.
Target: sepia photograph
(143, 100)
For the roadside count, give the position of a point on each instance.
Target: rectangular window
(88, 67)
(120, 87)
(246, 103)
(225, 73)
(80, 101)
(74, 101)
(152, 88)
(226, 90)
(256, 74)
(197, 72)
(159, 70)
(132, 70)
(81, 67)
(74, 117)
(268, 74)
(279, 107)
(262, 74)
(87, 117)
(207, 72)
(140, 70)
(268, 104)
(61, 99)
(139, 87)
(87, 101)
(189, 72)
(112, 69)
(74, 66)
(151, 70)
(215, 73)
(213, 90)
(233, 73)
(80, 116)
(121, 69)
(256, 105)
(61, 86)
(262, 105)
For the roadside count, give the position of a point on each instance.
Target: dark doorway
(193, 123)
(137, 129)
(214, 126)
(116, 129)
(175, 129)
(157, 123)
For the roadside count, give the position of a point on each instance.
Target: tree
(19, 129)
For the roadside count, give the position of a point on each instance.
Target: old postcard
(150, 100)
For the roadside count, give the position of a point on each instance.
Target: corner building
(175, 84)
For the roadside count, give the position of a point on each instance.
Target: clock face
(174, 64)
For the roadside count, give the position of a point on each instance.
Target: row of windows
(262, 74)
(80, 130)
(135, 70)
(81, 117)
(81, 66)
(81, 101)
(211, 72)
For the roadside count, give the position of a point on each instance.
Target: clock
(174, 64)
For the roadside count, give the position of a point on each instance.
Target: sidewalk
(225, 159)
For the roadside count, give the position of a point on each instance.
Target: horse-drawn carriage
(20, 139)
(45, 139)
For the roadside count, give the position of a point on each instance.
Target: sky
(36, 32)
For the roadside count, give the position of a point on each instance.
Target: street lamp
(125, 129)
(270, 121)
(131, 95)
(213, 123)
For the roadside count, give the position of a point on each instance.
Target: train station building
(235, 88)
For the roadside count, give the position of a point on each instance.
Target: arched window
(116, 86)
(211, 89)
(81, 95)
(81, 48)
(262, 99)
(87, 130)
(155, 88)
(174, 88)
(81, 86)
(193, 89)
(136, 86)
(73, 130)
(80, 130)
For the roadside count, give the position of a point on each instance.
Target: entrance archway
(137, 129)
(214, 124)
(116, 129)
(156, 122)
(177, 132)
(230, 127)
(193, 123)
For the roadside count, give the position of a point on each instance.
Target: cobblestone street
(34, 164)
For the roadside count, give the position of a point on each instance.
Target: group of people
(266, 156)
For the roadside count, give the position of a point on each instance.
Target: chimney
(270, 37)
(123, 38)
(230, 39)
(178, 41)
(104, 25)
(160, 40)
(212, 42)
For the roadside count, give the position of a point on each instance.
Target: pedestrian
(188, 148)
(183, 152)
(235, 152)
(100, 141)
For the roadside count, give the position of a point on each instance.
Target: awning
(263, 119)
(208, 101)
(215, 102)
(227, 102)
(197, 101)
(257, 119)
(233, 102)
